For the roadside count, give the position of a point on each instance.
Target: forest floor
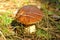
(47, 29)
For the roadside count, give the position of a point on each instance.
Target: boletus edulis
(29, 15)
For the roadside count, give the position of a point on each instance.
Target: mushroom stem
(30, 29)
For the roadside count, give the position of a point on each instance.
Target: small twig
(2, 35)
(55, 34)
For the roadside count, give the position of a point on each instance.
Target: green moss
(43, 33)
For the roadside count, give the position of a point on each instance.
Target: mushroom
(29, 15)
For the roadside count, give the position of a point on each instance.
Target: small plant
(5, 21)
(43, 33)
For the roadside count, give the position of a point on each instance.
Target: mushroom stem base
(30, 29)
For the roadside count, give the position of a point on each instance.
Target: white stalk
(31, 29)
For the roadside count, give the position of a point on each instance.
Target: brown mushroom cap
(29, 14)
